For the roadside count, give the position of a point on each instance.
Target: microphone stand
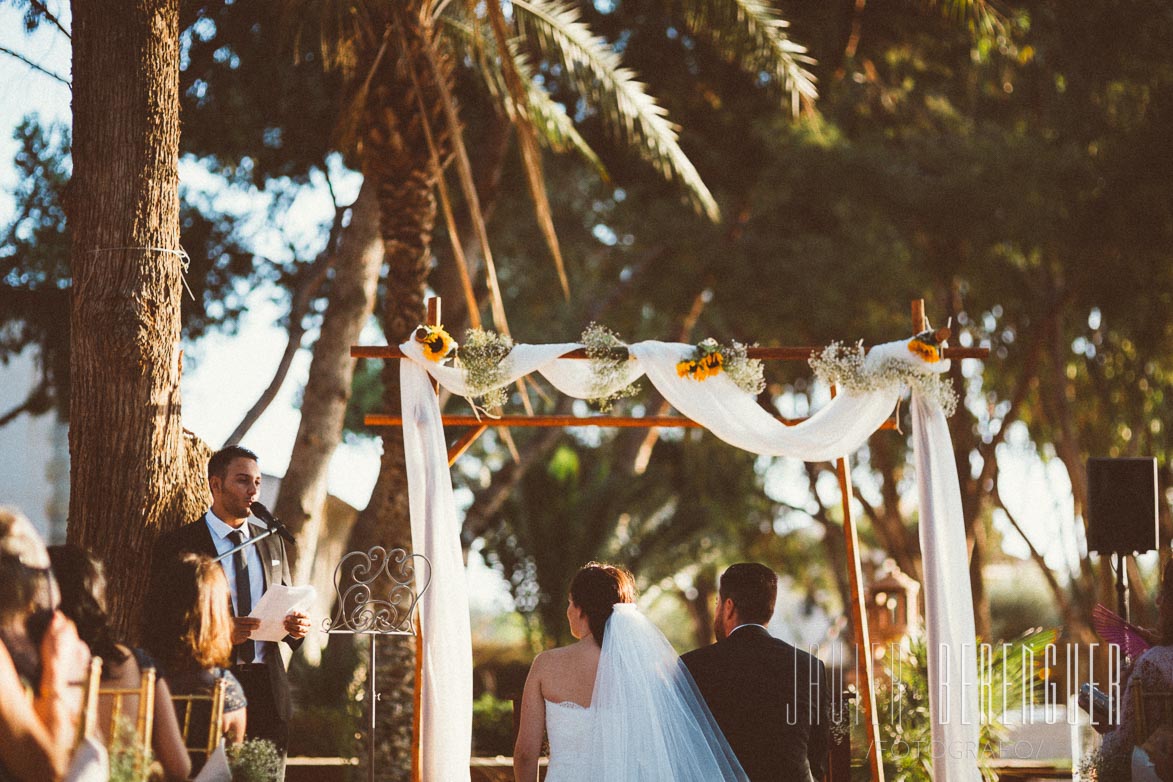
(273, 526)
(252, 540)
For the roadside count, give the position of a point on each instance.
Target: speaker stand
(1121, 586)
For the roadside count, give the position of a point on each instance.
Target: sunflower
(708, 362)
(928, 344)
(437, 342)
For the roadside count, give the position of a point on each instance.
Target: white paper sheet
(273, 607)
(216, 769)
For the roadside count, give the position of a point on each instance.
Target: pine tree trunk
(133, 469)
(349, 303)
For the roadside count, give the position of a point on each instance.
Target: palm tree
(403, 127)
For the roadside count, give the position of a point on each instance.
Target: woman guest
(37, 733)
(1152, 672)
(190, 636)
(83, 599)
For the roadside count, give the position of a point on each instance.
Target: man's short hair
(753, 588)
(218, 464)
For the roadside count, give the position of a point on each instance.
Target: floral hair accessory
(437, 342)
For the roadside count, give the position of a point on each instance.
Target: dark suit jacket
(197, 538)
(770, 700)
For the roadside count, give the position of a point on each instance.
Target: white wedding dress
(647, 721)
(568, 727)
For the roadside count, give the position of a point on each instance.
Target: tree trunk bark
(134, 471)
(351, 299)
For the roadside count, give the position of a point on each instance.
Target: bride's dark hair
(596, 588)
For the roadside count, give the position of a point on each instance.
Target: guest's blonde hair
(194, 627)
(26, 582)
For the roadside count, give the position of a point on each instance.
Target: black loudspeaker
(1122, 505)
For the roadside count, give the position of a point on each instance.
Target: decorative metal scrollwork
(358, 583)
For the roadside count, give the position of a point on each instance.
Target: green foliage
(256, 107)
(255, 760)
(902, 702)
(492, 725)
(129, 759)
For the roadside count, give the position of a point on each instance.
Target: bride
(617, 705)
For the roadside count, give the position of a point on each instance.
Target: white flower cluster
(746, 373)
(845, 366)
(608, 358)
(481, 358)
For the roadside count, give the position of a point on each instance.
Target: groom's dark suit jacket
(196, 538)
(770, 700)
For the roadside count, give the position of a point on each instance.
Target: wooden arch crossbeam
(478, 426)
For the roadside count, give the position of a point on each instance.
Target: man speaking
(234, 478)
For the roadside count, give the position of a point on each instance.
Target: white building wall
(34, 454)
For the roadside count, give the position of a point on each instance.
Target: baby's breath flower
(481, 357)
(844, 366)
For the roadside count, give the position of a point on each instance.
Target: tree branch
(35, 403)
(45, 12)
(303, 298)
(34, 66)
(1061, 597)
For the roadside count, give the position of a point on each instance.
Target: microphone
(263, 513)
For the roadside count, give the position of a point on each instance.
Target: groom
(770, 699)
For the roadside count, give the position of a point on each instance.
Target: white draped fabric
(838, 429)
(446, 705)
(949, 622)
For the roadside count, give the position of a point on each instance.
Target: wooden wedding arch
(478, 425)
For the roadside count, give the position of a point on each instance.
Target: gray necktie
(246, 650)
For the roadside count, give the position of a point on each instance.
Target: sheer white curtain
(446, 704)
(838, 429)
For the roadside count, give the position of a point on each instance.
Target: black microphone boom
(262, 513)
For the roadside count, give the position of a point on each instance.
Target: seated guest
(1153, 673)
(40, 658)
(190, 636)
(83, 599)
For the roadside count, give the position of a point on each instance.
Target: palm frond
(343, 29)
(527, 137)
(555, 128)
(751, 34)
(464, 174)
(555, 29)
(981, 15)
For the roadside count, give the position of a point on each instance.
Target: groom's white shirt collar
(747, 624)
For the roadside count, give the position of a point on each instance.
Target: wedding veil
(650, 722)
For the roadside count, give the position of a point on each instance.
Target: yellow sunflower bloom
(437, 342)
(928, 352)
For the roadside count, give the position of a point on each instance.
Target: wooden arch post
(859, 619)
(477, 426)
